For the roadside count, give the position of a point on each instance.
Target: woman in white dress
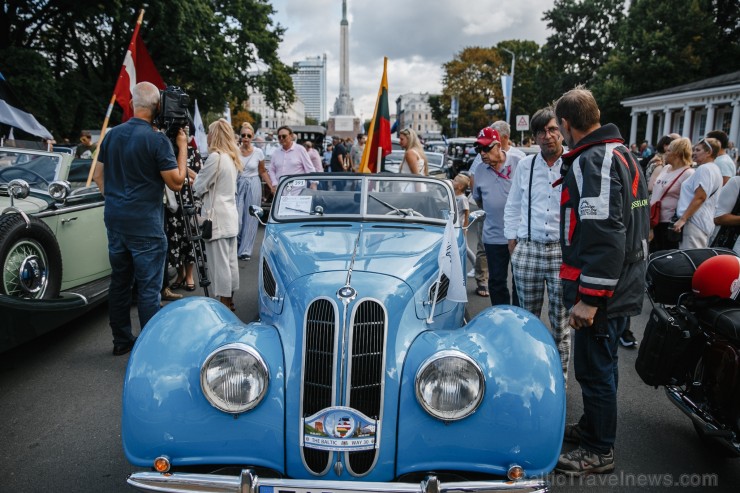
(216, 184)
(414, 159)
(248, 191)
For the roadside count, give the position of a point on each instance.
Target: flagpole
(109, 111)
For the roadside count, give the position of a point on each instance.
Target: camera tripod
(192, 230)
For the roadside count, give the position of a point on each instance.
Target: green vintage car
(53, 244)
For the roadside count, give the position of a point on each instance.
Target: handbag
(655, 208)
(670, 234)
(206, 227)
(727, 235)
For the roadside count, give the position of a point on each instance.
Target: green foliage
(666, 44)
(211, 48)
(584, 33)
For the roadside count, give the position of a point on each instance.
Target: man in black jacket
(604, 224)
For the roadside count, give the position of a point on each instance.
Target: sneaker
(628, 339)
(572, 433)
(580, 461)
(245, 257)
(471, 273)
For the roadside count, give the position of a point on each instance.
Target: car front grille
(365, 369)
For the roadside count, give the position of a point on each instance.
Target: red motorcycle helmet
(717, 277)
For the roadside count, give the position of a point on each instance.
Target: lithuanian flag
(378, 144)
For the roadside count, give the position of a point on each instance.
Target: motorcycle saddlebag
(669, 272)
(670, 347)
(723, 318)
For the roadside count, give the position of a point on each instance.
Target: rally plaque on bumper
(339, 429)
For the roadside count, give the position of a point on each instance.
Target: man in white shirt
(723, 160)
(532, 227)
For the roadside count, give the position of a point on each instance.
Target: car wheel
(30, 259)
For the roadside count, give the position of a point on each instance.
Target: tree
(210, 48)
(528, 93)
(585, 32)
(473, 76)
(658, 49)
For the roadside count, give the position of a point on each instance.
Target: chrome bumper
(248, 482)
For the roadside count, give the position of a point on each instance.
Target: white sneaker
(471, 273)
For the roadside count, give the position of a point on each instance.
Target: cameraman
(139, 162)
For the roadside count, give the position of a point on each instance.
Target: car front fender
(522, 415)
(164, 409)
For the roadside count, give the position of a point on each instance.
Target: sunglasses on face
(249, 136)
(480, 148)
(282, 136)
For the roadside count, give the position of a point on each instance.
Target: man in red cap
(492, 183)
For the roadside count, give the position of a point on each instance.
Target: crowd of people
(576, 226)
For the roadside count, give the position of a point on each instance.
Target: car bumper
(247, 482)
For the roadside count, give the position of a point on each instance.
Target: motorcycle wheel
(713, 445)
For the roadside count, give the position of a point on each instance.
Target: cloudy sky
(417, 36)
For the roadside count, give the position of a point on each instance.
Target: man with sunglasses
(532, 226)
(491, 186)
(289, 158)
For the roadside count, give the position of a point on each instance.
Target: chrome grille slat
(268, 281)
(444, 284)
(366, 368)
(318, 372)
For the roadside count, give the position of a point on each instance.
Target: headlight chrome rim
(464, 411)
(218, 401)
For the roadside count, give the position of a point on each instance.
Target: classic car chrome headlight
(450, 385)
(234, 378)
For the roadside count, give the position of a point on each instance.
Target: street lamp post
(491, 106)
(511, 91)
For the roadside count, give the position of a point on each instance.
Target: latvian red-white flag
(137, 67)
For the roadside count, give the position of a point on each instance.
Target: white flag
(451, 266)
(200, 132)
(227, 112)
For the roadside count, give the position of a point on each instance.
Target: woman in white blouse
(248, 191)
(216, 184)
(699, 195)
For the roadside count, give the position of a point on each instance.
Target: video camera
(173, 111)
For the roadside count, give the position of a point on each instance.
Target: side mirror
(475, 216)
(258, 212)
(18, 189)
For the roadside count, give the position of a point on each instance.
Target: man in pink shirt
(288, 159)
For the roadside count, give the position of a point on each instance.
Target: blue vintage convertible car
(362, 373)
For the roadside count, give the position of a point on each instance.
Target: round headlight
(450, 385)
(234, 378)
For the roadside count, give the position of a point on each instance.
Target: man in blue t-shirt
(136, 162)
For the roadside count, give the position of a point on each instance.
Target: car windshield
(38, 169)
(384, 196)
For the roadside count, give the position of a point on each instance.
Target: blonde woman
(699, 196)
(216, 184)
(667, 188)
(414, 159)
(248, 190)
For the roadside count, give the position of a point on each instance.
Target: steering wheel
(407, 212)
(24, 170)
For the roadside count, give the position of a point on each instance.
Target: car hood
(29, 205)
(406, 252)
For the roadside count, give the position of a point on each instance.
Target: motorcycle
(691, 344)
